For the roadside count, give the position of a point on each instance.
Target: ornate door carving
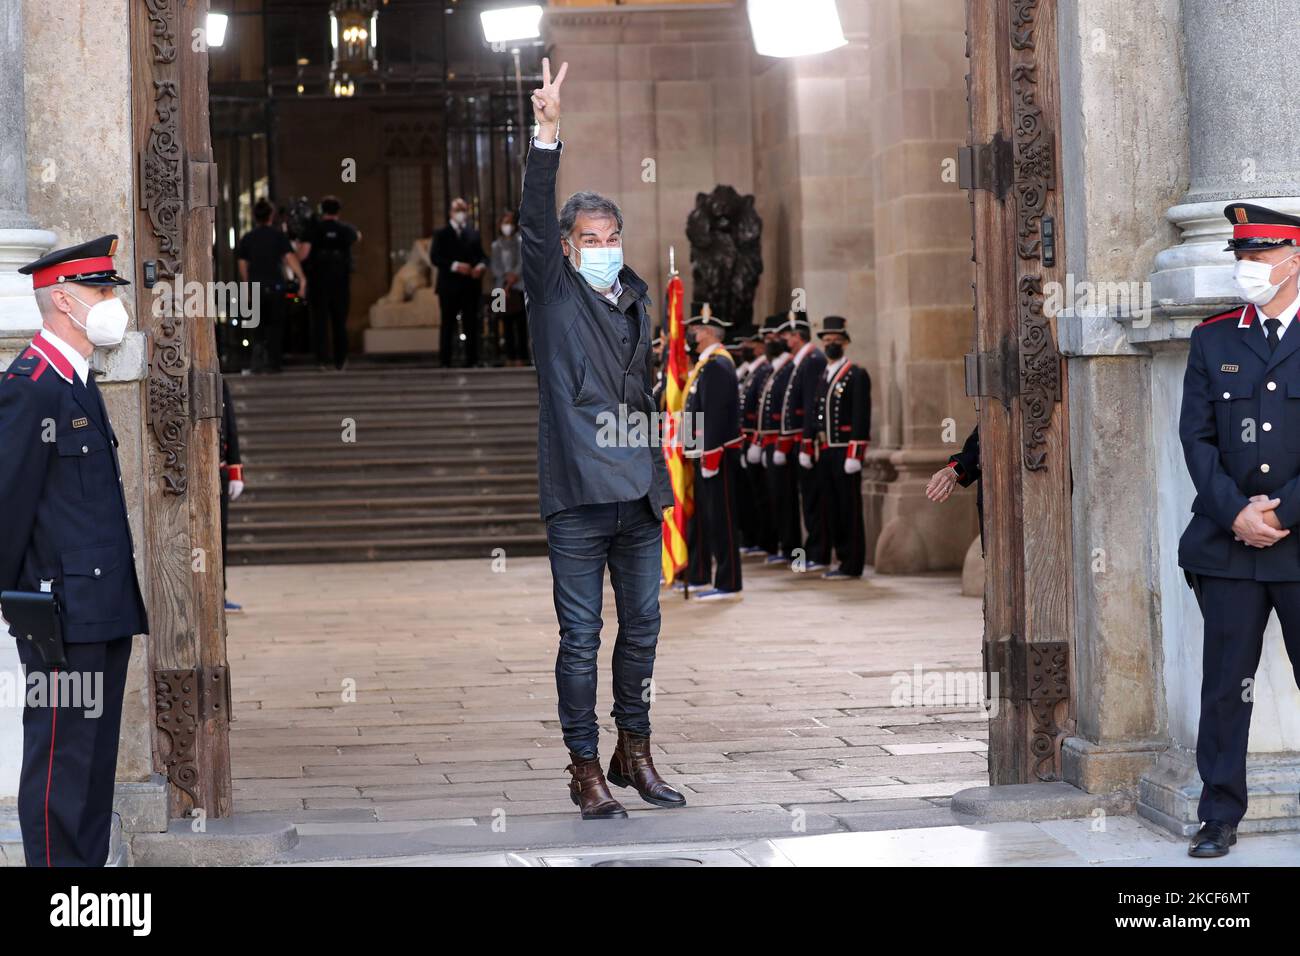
(175, 188)
(1012, 169)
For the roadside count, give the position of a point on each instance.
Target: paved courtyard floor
(391, 707)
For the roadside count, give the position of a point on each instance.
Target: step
(440, 488)
(384, 549)
(429, 425)
(346, 529)
(385, 503)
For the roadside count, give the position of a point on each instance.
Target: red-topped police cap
(90, 263)
(1255, 228)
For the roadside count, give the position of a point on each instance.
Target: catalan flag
(676, 368)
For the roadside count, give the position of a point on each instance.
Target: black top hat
(835, 323)
(795, 320)
(702, 314)
(90, 263)
(773, 322)
(1255, 228)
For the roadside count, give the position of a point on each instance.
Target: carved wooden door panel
(1012, 169)
(175, 192)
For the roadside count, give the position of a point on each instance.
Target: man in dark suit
(458, 254)
(1240, 430)
(799, 423)
(65, 531)
(603, 487)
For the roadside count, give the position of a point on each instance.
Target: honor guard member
(799, 422)
(782, 483)
(66, 531)
(742, 349)
(712, 409)
(1240, 432)
(657, 353)
(764, 543)
(232, 480)
(843, 426)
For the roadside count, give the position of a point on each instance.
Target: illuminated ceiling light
(354, 32)
(512, 23)
(783, 28)
(217, 23)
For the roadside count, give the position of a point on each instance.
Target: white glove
(778, 458)
(805, 460)
(236, 489)
(754, 454)
(852, 466)
(743, 462)
(708, 472)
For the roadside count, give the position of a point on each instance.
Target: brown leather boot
(632, 766)
(589, 791)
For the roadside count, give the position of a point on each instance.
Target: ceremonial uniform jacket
(1240, 431)
(843, 417)
(712, 395)
(65, 517)
(771, 400)
(798, 410)
(751, 394)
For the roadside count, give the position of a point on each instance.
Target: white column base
(1195, 277)
(18, 247)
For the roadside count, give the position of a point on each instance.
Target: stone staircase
(386, 462)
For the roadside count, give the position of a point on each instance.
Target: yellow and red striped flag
(676, 369)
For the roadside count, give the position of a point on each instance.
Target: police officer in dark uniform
(1241, 440)
(843, 425)
(65, 531)
(798, 424)
(782, 483)
(657, 347)
(713, 404)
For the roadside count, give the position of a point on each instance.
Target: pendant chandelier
(354, 38)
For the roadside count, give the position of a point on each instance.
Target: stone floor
(394, 708)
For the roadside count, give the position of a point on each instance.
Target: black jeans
(626, 536)
(268, 336)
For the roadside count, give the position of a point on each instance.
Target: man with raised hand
(603, 497)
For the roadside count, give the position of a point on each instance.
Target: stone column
(923, 322)
(20, 242)
(20, 239)
(1244, 136)
(1242, 141)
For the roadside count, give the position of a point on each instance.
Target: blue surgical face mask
(600, 265)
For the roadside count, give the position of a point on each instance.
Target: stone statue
(726, 254)
(416, 273)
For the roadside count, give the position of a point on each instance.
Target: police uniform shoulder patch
(1230, 314)
(26, 365)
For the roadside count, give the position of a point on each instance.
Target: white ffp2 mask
(1252, 279)
(106, 322)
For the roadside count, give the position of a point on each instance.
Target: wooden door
(175, 191)
(1012, 169)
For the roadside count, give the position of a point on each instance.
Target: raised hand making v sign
(546, 102)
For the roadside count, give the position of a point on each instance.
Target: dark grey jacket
(578, 342)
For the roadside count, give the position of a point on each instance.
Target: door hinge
(205, 394)
(992, 375)
(987, 166)
(201, 184)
